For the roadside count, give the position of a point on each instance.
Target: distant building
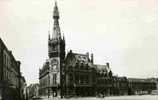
(154, 80)
(32, 91)
(75, 74)
(141, 86)
(10, 75)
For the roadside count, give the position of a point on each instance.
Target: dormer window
(82, 66)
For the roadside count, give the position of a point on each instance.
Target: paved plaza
(139, 97)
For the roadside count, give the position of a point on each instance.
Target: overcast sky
(122, 32)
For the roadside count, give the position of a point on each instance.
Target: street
(141, 97)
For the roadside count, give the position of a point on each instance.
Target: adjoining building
(75, 74)
(10, 75)
(79, 74)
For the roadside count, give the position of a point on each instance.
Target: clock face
(54, 61)
(54, 67)
(53, 64)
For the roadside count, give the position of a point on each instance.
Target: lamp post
(48, 82)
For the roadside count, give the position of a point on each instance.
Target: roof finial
(48, 35)
(63, 36)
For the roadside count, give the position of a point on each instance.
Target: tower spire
(56, 12)
(56, 27)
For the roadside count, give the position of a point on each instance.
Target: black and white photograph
(78, 50)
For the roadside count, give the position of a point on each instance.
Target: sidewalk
(50, 98)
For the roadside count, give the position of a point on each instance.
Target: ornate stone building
(75, 74)
(68, 75)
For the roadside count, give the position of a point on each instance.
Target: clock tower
(56, 43)
(56, 53)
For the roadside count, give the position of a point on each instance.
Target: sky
(121, 32)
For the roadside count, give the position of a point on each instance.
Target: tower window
(54, 79)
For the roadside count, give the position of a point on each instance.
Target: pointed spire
(55, 3)
(56, 28)
(55, 12)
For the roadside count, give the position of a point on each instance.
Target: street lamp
(48, 81)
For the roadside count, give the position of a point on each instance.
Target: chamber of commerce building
(74, 74)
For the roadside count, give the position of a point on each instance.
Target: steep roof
(139, 80)
(83, 58)
(77, 58)
(105, 68)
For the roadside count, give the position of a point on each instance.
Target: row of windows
(44, 81)
(9, 73)
(84, 67)
(6, 60)
(55, 79)
(11, 77)
(102, 81)
(82, 79)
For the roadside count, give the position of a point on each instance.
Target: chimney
(108, 65)
(92, 58)
(87, 54)
(18, 65)
(70, 51)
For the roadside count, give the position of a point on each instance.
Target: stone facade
(10, 75)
